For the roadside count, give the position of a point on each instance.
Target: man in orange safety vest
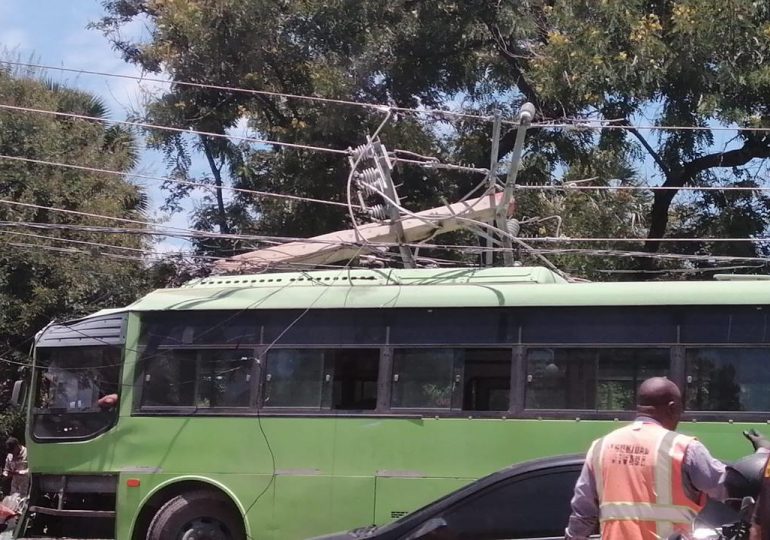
(644, 481)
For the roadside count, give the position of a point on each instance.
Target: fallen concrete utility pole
(344, 245)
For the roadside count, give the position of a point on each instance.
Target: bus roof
(437, 288)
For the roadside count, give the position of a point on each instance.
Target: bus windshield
(69, 383)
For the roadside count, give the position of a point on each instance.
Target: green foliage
(42, 279)
(12, 424)
(697, 63)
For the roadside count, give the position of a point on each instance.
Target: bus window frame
(326, 402)
(140, 409)
(32, 409)
(517, 397)
(696, 415)
(584, 413)
(455, 410)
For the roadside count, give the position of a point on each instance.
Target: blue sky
(53, 32)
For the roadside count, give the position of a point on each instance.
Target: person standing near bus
(644, 481)
(760, 529)
(16, 467)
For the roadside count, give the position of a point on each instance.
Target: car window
(531, 506)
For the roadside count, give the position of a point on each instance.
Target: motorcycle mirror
(747, 508)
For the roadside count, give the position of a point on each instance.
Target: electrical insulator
(362, 151)
(378, 211)
(513, 227)
(369, 175)
(370, 182)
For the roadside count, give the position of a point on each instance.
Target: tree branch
(224, 228)
(513, 61)
(650, 149)
(752, 149)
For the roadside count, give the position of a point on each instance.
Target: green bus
(287, 405)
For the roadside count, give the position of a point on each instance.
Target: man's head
(13, 446)
(660, 398)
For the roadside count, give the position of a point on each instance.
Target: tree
(44, 275)
(700, 64)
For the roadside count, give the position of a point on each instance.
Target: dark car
(528, 500)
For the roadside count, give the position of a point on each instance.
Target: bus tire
(205, 512)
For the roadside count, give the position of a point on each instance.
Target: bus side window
(423, 378)
(355, 378)
(728, 379)
(205, 378)
(224, 379)
(590, 378)
(477, 379)
(169, 379)
(294, 378)
(486, 379)
(339, 379)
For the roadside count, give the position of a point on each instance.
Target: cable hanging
(144, 125)
(266, 194)
(587, 123)
(317, 99)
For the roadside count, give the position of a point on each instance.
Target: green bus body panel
(333, 473)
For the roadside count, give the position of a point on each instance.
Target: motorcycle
(731, 520)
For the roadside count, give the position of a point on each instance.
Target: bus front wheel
(197, 515)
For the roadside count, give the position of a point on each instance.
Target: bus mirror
(17, 395)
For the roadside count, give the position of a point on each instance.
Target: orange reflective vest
(638, 473)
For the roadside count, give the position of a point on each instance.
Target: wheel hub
(205, 530)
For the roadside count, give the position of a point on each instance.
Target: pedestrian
(644, 481)
(16, 467)
(760, 529)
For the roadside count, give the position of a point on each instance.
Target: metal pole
(492, 179)
(384, 168)
(526, 114)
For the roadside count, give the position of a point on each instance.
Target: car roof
(529, 466)
(518, 469)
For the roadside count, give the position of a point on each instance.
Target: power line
(72, 241)
(192, 234)
(664, 239)
(311, 240)
(588, 124)
(570, 186)
(694, 270)
(73, 251)
(145, 125)
(198, 234)
(475, 249)
(434, 164)
(88, 214)
(163, 255)
(560, 124)
(175, 181)
(649, 255)
(371, 106)
(567, 186)
(172, 231)
(440, 165)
